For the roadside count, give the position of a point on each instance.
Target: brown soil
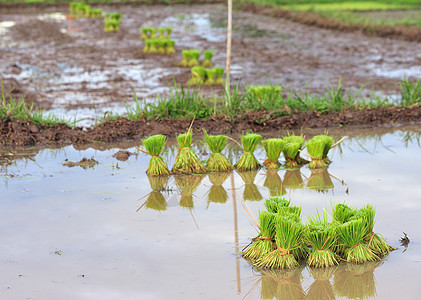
(408, 33)
(24, 133)
(83, 163)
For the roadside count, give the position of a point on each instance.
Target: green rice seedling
(251, 192)
(144, 33)
(320, 180)
(351, 235)
(287, 238)
(293, 179)
(273, 148)
(95, 13)
(188, 185)
(318, 148)
(264, 242)
(80, 9)
(168, 31)
(321, 288)
(155, 199)
(73, 7)
(153, 48)
(247, 161)
(293, 143)
(321, 236)
(161, 31)
(356, 281)
(198, 76)
(375, 242)
(207, 62)
(186, 58)
(186, 161)
(210, 75)
(264, 91)
(116, 16)
(154, 146)
(217, 161)
(170, 47)
(274, 183)
(219, 73)
(282, 284)
(273, 204)
(194, 58)
(342, 213)
(162, 44)
(217, 193)
(147, 47)
(111, 25)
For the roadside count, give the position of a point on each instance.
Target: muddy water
(75, 233)
(74, 69)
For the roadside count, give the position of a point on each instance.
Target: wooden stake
(229, 37)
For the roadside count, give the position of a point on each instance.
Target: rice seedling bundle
(247, 161)
(293, 179)
(80, 9)
(264, 91)
(351, 235)
(217, 193)
(153, 46)
(207, 62)
(274, 183)
(374, 241)
(186, 58)
(168, 31)
(318, 148)
(188, 185)
(198, 75)
(144, 33)
(343, 213)
(147, 46)
(194, 58)
(161, 31)
(264, 242)
(356, 281)
(293, 143)
(321, 288)
(274, 204)
(282, 284)
(210, 75)
(219, 73)
(287, 238)
(116, 16)
(154, 146)
(320, 180)
(217, 161)
(155, 199)
(161, 46)
(186, 161)
(251, 192)
(95, 13)
(321, 236)
(273, 148)
(111, 25)
(170, 47)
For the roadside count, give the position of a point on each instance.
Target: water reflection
(319, 180)
(293, 179)
(156, 200)
(217, 192)
(188, 185)
(251, 192)
(274, 183)
(349, 280)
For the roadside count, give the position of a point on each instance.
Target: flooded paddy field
(101, 231)
(74, 69)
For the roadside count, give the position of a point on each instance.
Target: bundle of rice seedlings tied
(188, 185)
(321, 236)
(194, 58)
(247, 161)
(210, 77)
(186, 58)
(162, 44)
(274, 183)
(251, 192)
(351, 234)
(207, 62)
(282, 284)
(375, 242)
(217, 161)
(155, 199)
(186, 161)
(293, 143)
(168, 31)
(170, 47)
(147, 47)
(198, 76)
(275, 204)
(273, 148)
(321, 288)
(73, 7)
(261, 92)
(320, 180)
(153, 45)
(217, 193)
(356, 281)
(288, 237)
(342, 213)
(318, 148)
(154, 146)
(264, 242)
(161, 31)
(144, 33)
(219, 73)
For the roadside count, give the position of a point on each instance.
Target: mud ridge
(407, 33)
(23, 133)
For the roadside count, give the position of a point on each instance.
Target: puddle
(74, 232)
(399, 73)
